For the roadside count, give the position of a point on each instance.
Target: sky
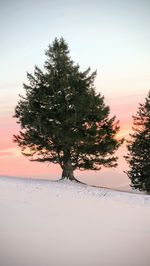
(112, 37)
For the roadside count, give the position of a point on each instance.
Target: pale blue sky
(110, 36)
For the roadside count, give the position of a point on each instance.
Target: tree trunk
(68, 171)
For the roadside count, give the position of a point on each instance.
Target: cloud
(10, 152)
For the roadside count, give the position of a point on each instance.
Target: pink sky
(123, 104)
(13, 163)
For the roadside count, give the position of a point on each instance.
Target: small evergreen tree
(138, 157)
(63, 119)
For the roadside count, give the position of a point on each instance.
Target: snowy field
(63, 223)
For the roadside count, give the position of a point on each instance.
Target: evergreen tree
(63, 120)
(138, 157)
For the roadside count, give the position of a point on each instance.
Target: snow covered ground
(63, 223)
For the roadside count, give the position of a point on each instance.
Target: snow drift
(68, 224)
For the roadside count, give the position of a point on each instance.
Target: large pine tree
(63, 120)
(138, 156)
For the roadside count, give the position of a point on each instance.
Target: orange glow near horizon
(15, 164)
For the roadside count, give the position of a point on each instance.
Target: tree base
(70, 178)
